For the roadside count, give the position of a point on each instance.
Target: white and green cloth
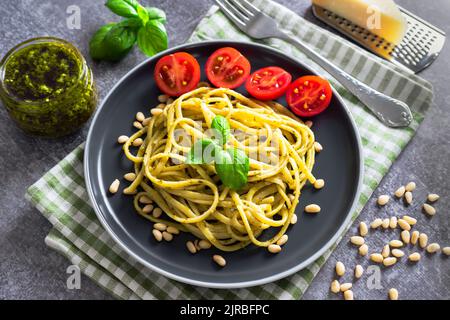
(62, 198)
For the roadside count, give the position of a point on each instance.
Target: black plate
(339, 164)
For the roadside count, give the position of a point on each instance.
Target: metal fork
(253, 22)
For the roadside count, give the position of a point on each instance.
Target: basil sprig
(231, 164)
(144, 25)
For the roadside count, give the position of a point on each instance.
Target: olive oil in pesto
(47, 87)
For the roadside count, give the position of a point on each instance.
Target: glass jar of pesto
(47, 87)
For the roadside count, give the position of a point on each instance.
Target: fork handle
(390, 111)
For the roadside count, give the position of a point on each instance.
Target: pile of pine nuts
(391, 252)
(140, 122)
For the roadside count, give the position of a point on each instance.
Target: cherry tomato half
(177, 73)
(268, 83)
(227, 68)
(309, 95)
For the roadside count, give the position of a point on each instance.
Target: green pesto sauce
(48, 92)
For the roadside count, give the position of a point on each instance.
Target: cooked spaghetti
(193, 197)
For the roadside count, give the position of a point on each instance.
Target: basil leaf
(203, 151)
(152, 38)
(232, 166)
(123, 8)
(97, 49)
(118, 42)
(142, 14)
(156, 14)
(134, 23)
(221, 125)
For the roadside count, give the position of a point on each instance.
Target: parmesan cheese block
(381, 17)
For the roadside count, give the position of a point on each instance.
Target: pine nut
(389, 261)
(385, 223)
(167, 236)
(219, 260)
(410, 186)
(408, 197)
(446, 251)
(146, 121)
(432, 197)
(363, 250)
(284, 238)
(138, 142)
(114, 187)
(397, 253)
(414, 237)
(348, 295)
(356, 240)
(404, 225)
(340, 269)
(433, 248)
(147, 208)
(383, 200)
(396, 244)
(430, 210)
(157, 234)
(318, 147)
(163, 98)
(346, 286)
(386, 251)
(335, 286)
(393, 222)
(359, 270)
(414, 257)
(411, 221)
(191, 248)
(291, 197)
(157, 212)
(376, 223)
(130, 176)
(204, 244)
(393, 294)
(137, 125)
(161, 106)
(294, 219)
(160, 226)
(363, 230)
(140, 116)
(156, 111)
(406, 236)
(312, 208)
(423, 240)
(122, 139)
(173, 230)
(376, 257)
(400, 192)
(169, 101)
(319, 184)
(145, 200)
(196, 244)
(309, 123)
(274, 248)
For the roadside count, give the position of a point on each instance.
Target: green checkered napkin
(62, 198)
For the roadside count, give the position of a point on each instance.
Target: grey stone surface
(29, 270)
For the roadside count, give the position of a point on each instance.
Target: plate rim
(223, 285)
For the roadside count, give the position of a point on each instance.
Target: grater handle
(390, 111)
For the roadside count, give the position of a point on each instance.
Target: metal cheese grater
(421, 46)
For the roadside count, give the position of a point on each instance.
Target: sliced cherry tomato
(227, 68)
(268, 83)
(309, 95)
(177, 73)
